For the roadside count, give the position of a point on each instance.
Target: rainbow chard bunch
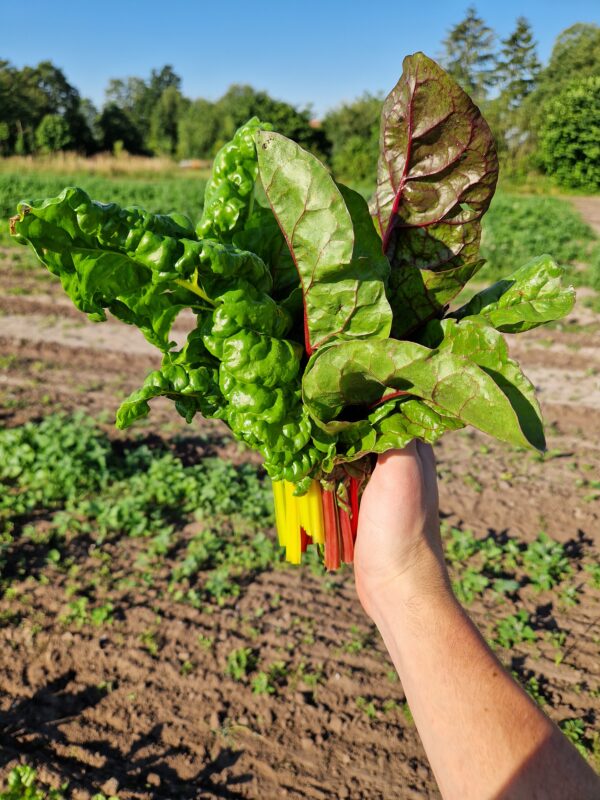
(322, 330)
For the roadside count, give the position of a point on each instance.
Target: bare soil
(94, 706)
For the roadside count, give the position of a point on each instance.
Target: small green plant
(240, 663)
(149, 641)
(261, 684)
(514, 629)
(407, 713)
(533, 688)
(470, 584)
(574, 730)
(460, 545)
(22, 785)
(309, 674)
(359, 641)
(557, 639)
(367, 707)
(102, 615)
(546, 563)
(594, 572)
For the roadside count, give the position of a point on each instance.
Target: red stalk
(305, 540)
(332, 534)
(346, 531)
(354, 506)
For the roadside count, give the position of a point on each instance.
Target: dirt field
(94, 706)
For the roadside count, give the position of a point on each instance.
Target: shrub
(569, 144)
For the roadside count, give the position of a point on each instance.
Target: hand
(398, 541)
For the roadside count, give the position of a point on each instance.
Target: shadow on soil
(31, 729)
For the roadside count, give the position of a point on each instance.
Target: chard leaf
(142, 267)
(487, 348)
(189, 377)
(229, 193)
(530, 296)
(342, 277)
(436, 176)
(365, 373)
(262, 235)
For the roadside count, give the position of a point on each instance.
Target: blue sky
(303, 52)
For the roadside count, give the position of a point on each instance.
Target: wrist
(408, 593)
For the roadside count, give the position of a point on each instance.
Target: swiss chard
(320, 336)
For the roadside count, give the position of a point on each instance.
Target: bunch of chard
(323, 334)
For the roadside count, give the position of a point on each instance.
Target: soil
(95, 707)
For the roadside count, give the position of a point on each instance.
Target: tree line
(543, 117)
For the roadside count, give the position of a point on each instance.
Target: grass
(164, 195)
(518, 227)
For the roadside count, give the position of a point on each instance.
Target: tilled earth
(96, 707)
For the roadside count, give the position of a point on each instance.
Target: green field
(515, 228)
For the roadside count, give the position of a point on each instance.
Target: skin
(484, 736)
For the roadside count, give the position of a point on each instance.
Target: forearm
(484, 737)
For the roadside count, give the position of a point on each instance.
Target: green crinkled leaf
(530, 296)
(140, 266)
(229, 194)
(189, 378)
(365, 373)
(436, 176)
(487, 348)
(342, 274)
(262, 235)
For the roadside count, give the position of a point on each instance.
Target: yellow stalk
(279, 502)
(304, 512)
(293, 553)
(317, 525)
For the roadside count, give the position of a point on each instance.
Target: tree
(469, 55)
(353, 130)
(240, 102)
(164, 121)
(138, 98)
(115, 125)
(517, 70)
(198, 130)
(575, 55)
(569, 138)
(517, 66)
(4, 138)
(52, 134)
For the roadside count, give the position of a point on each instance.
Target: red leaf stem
(354, 485)
(332, 533)
(305, 540)
(346, 532)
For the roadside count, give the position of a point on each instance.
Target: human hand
(398, 543)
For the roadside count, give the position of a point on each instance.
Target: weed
(240, 663)
(22, 785)
(557, 639)
(470, 584)
(149, 641)
(514, 629)
(366, 706)
(460, 546)
(546, 563)
(594, 572)
(360, 640)
(186, 668)
(574, 730)
(407, 713)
